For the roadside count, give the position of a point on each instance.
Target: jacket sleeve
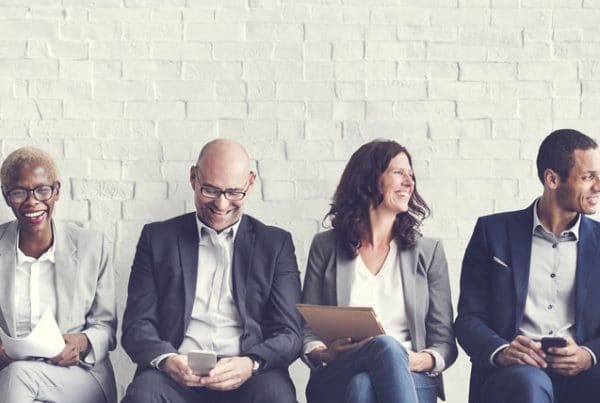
(141, 339)
(472, 324)
(101, 320)
(281, 323)
(438, 322)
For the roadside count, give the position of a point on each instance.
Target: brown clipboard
(333, 322)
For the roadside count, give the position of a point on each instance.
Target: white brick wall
(123, 93)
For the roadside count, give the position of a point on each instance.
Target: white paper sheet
(45, 341)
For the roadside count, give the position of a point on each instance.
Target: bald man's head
(220, 179)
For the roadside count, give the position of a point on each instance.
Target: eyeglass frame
(54, 186)
(223, 192)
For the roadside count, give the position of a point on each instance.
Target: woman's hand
(75, 343)
(4, 358)
(336, 347)
(420, 362)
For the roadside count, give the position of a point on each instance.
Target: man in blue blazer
(535, 273)
(214, 280)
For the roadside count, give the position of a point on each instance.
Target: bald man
(214, 280)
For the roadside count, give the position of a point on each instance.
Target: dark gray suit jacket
(424, 279)
(162, 286)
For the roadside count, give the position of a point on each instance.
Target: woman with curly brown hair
(374, 255)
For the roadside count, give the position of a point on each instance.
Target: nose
(30, 198)
(221, 202)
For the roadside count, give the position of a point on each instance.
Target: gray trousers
(37, 381)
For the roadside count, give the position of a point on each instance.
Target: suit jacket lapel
(587, 251)
(188, 253)
(343, 278)
(408, 270)
(519, 235)
(65, 273)
(243, 251)
(8, 265)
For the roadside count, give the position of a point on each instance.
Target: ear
(193, 176)
(252, 180)
(57, 191)
(551, 179)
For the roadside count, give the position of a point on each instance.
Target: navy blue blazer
(492, 297)
(162, 286)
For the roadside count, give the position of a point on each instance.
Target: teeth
(36, 214)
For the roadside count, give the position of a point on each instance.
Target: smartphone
(548, 342)
(202, 361)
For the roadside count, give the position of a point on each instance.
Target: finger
(219, 370)
(228, 384)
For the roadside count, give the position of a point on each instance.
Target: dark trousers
(526, 384)
(153, 386)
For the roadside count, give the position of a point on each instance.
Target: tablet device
(333, 322)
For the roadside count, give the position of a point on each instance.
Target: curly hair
(359, 189)
(25, 156)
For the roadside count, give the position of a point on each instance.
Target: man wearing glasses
(218, 281)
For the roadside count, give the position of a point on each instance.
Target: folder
(333, 322)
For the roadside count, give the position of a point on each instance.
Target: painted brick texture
(124, 93)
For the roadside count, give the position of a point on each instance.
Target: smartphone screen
(202, 361)
(548, 342)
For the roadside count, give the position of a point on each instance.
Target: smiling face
(397, 185)
(33, 214)
(580, 191)
(223, 166)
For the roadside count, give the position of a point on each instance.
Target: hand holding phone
(548, 342)
(202, 361)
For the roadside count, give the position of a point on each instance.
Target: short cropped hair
(556, 151)
(25, 156)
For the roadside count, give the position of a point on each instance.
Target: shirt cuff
(156, 362)
(309, 348)
(439, 362)
(496, 351)
(594, 361)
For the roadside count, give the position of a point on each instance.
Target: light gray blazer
(426, 291)
(85, 292)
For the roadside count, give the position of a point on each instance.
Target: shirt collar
(204, 230)
(48, 255)
(536, 222)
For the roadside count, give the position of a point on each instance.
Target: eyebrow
(208, 185)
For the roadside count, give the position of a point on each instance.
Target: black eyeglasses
(41, 193)
(230, 194)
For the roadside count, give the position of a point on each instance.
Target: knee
(387, 346)
(360, 389)
(146, 387)
(534, 384)
(269, 386)
(520, 383)
(21, 370)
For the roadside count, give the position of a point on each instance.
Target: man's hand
(176, 366)
(230, 373)
(420, 362)
(522, 351)
(4, 358)
(335, 348)
(75, 343)
(569, 360)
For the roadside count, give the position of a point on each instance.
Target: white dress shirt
(215, 323)
(35, 289)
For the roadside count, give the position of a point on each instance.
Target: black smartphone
(548, 342)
